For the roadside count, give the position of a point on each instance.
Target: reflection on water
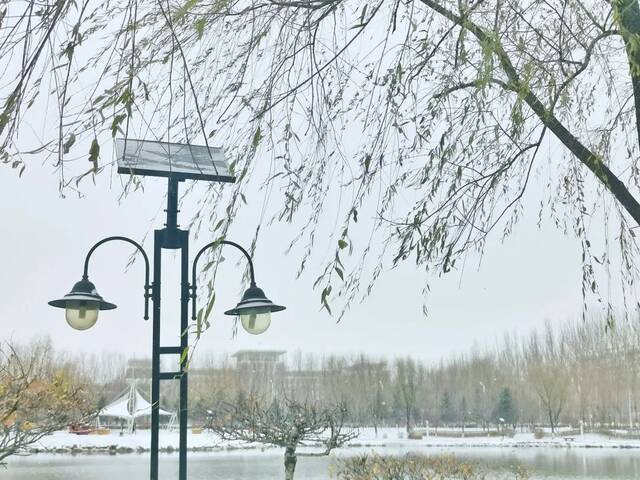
(542, 463)
(563, 464)
(202, 466)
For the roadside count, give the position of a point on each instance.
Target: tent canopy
(117, 409)
(143, 408)
(123, 408)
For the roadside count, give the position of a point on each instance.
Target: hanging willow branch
(388, 131)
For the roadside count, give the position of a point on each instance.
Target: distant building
(260, 371)
(258, 358)
(265, 374)
(138, 369)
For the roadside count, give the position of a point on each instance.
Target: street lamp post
(83, 303)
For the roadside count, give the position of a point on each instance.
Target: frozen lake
(542, 463)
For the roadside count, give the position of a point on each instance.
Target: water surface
(542, 463)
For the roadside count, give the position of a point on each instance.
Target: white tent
(129, 406)
(119, 408)
(143, 408)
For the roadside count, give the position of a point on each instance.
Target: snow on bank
(64, 442)
(396, 437)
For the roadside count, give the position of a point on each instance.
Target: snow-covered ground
(64, 442)
(395, 437)
(139, 441)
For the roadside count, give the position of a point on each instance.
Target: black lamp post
(83, 303)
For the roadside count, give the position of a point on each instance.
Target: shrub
(38, 395)
(416, 467)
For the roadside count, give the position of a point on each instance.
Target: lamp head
(255, 310)
(82, 305)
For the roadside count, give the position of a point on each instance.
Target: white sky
(534, 277)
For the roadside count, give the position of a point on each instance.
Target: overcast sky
(534, 277)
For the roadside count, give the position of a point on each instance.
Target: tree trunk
(628, 12)
(290, 460)
(408, 415)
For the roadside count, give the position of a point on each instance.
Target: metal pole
(155, 355)
(184, 345)
(171, 237)
(172, 205)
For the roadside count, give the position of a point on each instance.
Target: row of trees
(573, 374)
(570, 375)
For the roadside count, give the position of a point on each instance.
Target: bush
(417, 467)
(38, 395)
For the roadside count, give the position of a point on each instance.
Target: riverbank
(114, 443)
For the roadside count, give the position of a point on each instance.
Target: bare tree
(37, 396)
(552, 386)
(406, 379)
(288, 425)
(378, 407)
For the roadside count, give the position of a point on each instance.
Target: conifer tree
(506, 411)
(447, 414)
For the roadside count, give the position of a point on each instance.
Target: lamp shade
(82, 305)
(255, 310)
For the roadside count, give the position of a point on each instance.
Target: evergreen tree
(447, 413)
(506, 411)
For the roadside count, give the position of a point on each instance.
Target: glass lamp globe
(82, 305)
(256, 320)
(82, 315)
(255, 310)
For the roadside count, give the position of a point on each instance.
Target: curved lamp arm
(195, 265)
(147, 285)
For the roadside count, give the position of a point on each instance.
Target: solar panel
(175, 160)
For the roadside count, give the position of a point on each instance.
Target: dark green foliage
(447, 412)
(506, 411)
